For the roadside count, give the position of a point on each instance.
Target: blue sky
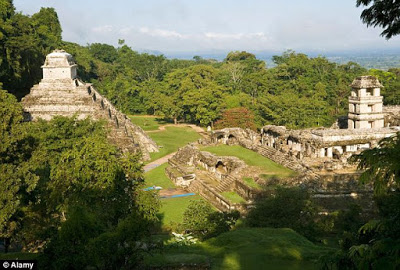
(190, 25)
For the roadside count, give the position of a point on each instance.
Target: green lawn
(233, 197)
(171, 212)
(147, 122)
(18, 256)
(251, 183)
(157, 177)
(171, 139)
(255, 248)
(251, 158)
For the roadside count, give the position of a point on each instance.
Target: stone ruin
(329, 148)
(207, 174)
(319, 156)
(61, 92)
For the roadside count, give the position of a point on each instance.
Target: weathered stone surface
(392, 115)
(365, 104)
(366, 82)
(60, 92)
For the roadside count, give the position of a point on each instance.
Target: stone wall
(392, 115)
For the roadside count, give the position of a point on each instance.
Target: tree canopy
(382, 13)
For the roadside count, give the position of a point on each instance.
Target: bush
(288, 208)
(201, 220)
(67, 249)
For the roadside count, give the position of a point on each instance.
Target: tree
(288, 208)
(103, 52)
(236, 117)
(377, 245)
(70, 163)
(201, 220)
(382, 13)
(48, 28)
(381, 165)
(13, 152)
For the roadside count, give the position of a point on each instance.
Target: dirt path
(154, 164)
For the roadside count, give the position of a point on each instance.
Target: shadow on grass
(248, 248)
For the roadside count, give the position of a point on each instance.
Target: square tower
(59, 65)
(365, 104)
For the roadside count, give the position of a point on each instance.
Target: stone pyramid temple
(61, 92)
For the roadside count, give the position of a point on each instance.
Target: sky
(218, 25)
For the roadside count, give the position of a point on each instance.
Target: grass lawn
(251, 183)
(233, 197)
(18, 256)
(147, 122)
(251, 158)
(256, 248)
(157, 177)
(171, 212)
(171, 139)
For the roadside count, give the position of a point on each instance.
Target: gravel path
(154, 164)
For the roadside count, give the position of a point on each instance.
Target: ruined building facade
(61, 92)
(366, 127)
(365, 104)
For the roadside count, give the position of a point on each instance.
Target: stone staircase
(124, 134)
(226, 184)
(281, 158)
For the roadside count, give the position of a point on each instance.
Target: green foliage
(381, 165)
(67, 249)
(24, 42)
(123, 247)
(382, 13)
(68, 165)
(349, 220)
(376, 244)
(201, 220)
(236, 117)
(103, 52)
(247, 248)
(195, 218)
(289, 208)
(10, 117)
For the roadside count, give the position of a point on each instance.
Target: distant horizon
(172, 26)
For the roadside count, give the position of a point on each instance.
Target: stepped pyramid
(61, 92)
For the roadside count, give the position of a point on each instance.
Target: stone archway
(220, 138)
(232, 140)
(220, 167)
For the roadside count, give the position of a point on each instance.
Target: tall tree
(382, 13)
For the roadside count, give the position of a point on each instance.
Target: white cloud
(237, 36)
(103, 29)
(160, 33)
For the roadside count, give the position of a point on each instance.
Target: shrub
(236, 117)
(288, 208)
(201, 220)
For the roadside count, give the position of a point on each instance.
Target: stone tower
(59, 65)
(365, 104)
(61, 92)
